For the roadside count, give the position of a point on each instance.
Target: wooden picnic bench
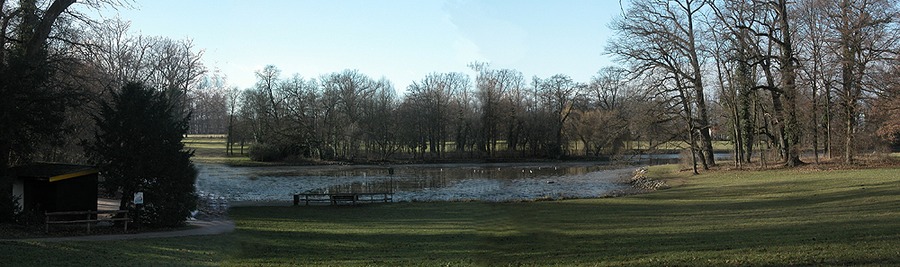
(66, 217)
(337, 198)
(352, 198)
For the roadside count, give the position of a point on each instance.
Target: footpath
(212, 227)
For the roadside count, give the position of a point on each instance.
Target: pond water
(431, 182)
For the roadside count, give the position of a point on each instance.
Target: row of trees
(350, 116)
(784, 76)
(792, 75)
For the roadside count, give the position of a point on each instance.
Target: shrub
(265, 152)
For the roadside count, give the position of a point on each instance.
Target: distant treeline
(350, 116)
(784, 76)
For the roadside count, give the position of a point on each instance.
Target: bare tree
(493, 90)
(557, 96)
(437, 96)
(209, 105)
(348, 91)
(662, 36)
(817, 72)
(865, 36)
(233, 99)
(380, 122)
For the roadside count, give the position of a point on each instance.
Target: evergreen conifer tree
(138, 149)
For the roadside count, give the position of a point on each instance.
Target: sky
(402, 40)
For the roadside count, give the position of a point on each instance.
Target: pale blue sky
(402, 40)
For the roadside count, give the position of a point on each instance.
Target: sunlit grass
(775, 217)
(212, 149)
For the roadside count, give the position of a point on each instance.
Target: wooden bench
(375, 197)
(311, 198)
(90, 218)
(352, 198)
(337, 198)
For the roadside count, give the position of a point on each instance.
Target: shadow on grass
(191, 251)
(833, 220)
(623, 231)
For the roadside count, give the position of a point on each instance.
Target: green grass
(211, 149)
(780, 217)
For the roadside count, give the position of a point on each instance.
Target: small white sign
(139, 198)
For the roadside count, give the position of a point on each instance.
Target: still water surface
(428, 182)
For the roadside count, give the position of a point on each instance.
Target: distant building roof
(52, 172)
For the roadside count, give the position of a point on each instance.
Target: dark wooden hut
(52, 187)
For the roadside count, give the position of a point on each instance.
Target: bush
(265, 152)
(164, 208)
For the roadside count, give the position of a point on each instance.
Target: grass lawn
(211, 149)
(778, 217)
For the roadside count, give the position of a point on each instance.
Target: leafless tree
(661, 38)
(557, 96)
(865, 35)
(494, 89)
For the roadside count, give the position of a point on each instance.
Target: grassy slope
(725, 218)
(211, 149)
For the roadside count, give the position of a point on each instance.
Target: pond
(427, 182)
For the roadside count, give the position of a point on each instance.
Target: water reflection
(414, 178)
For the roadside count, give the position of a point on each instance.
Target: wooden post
(297, 200)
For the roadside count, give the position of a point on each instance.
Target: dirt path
(202, 228)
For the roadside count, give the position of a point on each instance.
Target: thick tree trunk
(788, 76)
(744, 79)
(848, 83)
(704, 128)
(34, 46)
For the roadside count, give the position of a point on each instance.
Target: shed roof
(52, 172)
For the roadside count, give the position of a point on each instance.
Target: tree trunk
(847, 80)
(703, 120)
(828, 148)
(814, 117)
(788, 76)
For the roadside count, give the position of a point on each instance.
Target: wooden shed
(55, 187)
